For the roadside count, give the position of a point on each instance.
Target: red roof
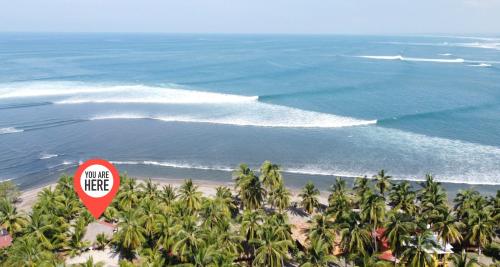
(382, 240)
(384, 246)
(5, 240)
(387, 256)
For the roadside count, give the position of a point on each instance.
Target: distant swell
(429, 114)
(24, 105)
(415, 59)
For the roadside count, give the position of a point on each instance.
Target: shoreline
(294, 182)
(207, 187)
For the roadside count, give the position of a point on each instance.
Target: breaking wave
(285, 118)
(10, 130)
(47, 156)
(484, 65)
(204, 107)
(173, 165)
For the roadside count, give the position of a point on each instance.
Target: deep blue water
(329, 105)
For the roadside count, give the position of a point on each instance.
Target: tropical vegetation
(255, 224)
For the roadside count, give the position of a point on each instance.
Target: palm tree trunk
(374, 234)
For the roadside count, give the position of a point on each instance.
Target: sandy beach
(29, 196)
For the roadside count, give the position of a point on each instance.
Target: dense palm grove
(249, 226)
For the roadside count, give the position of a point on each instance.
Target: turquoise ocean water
(198, 105)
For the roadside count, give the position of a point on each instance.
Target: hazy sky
(253, 16)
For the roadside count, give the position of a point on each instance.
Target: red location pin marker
(96, 182)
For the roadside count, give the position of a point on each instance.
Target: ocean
(197, 105)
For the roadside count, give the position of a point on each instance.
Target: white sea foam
(96, 93)
(416, 59)
(483, 45)
(47, 156)
(484, 65)
(174, 164)
(277, 116)
(445, 54)
(9, 130)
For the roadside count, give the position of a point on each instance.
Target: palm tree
(150, 189)
(322, 228)
(464, 200)
(38, 227)
(10, 218)
(229, 242)
(270, 175)
(76, 243)
(362, 189)
(168, 194)
(224, 197)
(373, 212)
(280, 225)
(130, 235)
(280, 197)
(361, 185)
(355, 238)
(250, 224)
(398, 230)
(480, 228)
(150, 216)
(309, 197)
(461, 260)
(213, 214)
(9, 191)
(402, 198)
(188, 238)
(317, 255)
(240, 173)
(251, 192)
(448, 228)
(190, 196)
(90, 263)
(271, 251)
(383, 182)
(339, 202)
(166, 231)
(26, 251)
(418, 254)
(101, 241)
(433, 199)
(127, 198)
(152, 257)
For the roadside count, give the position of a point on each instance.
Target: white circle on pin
(96, 181)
